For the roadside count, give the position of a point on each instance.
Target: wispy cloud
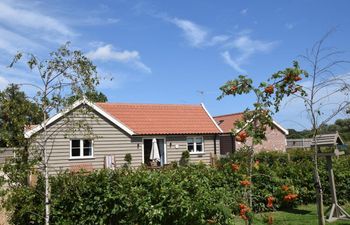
(195, 34)
(244, 11)
(11, 42)
(93, 21)
(241, 46)
(107, 53)
(231, 62)
(26, 18)
(289, 26)
(245, 47)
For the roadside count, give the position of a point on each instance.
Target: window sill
(81, 158)
(197, 153)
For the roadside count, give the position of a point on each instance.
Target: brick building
(275, 137)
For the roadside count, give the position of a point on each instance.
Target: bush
(186, 195)
(192, 194)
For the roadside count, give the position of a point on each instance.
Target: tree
(325, 89)
(93, 96)
(16, 112)
(268, 97)
(64, 74)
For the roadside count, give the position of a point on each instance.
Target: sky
(177, 52)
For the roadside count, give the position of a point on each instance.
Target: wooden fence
(5, 153)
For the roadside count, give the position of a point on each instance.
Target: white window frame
(195, 152)
(81, 156)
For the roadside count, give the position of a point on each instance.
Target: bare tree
(327, 96)
(64, 74)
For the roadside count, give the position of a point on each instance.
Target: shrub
(193, 194)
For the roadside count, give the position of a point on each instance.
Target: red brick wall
(275, 141)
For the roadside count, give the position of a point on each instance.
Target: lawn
(302, 215)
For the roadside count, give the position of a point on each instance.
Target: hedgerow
(194, 194)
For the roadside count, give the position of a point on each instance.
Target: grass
(302, 215)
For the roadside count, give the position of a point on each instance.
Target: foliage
(65, 73)
(92, 95)
(340, 125)
(16, 112)
(185, 158)
(268, 99)
(193, 194)
(187, 195)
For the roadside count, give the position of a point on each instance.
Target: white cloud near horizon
(3, 83)
(107, 53)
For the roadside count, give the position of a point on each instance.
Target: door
(147, 147)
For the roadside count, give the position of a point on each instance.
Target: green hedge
(186, 195)
(195, 194)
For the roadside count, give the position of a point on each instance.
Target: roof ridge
(229, 114)
(145, 104)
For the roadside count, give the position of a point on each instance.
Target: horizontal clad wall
(108, 139)
(178, 144)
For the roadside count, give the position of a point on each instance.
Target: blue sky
(175, 51)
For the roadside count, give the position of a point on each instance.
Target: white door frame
(156, 137)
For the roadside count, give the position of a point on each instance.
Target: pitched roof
(154, 119)
(146, 119)
(226, 122)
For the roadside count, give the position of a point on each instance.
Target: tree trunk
(47, 190)
(319, 191)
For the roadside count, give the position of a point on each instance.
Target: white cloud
(26, 18)
(107, 53)
(231, 62)
(245, 47)
(11, 42)
(93, 21)
(195, 34)
(244, 11)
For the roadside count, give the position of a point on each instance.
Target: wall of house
(179, 141)
(275, 141)
(108, 139)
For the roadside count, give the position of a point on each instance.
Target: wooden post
(335, 210)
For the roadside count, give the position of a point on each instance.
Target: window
(81, 148)
(195, 145)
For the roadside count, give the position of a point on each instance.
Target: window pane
(199, 140)
(87, 148)
(199, 147)
(87, 152)
(75, 151)
(87, 143)
(190, 147)
(75, 143)
(75, 148)
(190, 140)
